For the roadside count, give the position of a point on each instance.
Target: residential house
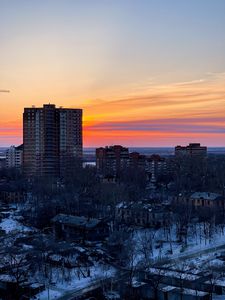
(76, 228)
(142, 214)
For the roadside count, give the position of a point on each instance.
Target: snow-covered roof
(174, 274)
(166, 288)
(112, 295)
(76, 221)
(194, 292)
(36, 285)
(7, 278)
(122, 205)
(136, 283)
(140, 205)
(205, 195)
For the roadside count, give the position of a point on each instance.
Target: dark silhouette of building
(52, 138)
(137, 160)
(110, 160)
(156, 166)
(76, 228)
(193, 149)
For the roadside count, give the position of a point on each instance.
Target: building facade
(2, 162)
(142, 214)
(52, 139)
(201, 200)
(156, 166)
(14, 157)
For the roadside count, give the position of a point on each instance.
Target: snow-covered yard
(158, 244)
(10, 224)
(74, 280)
(48, 294)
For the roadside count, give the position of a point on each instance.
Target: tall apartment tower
(52, 137)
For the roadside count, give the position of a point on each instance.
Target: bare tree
(146, 246)
(155, 278)
(17, 267)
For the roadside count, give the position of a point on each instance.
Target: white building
(14, 157)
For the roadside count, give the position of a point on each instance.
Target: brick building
(110, 160)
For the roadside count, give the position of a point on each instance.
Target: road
(193, 254)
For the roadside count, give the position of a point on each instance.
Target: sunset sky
(145, 72)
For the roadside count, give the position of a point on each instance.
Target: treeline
(82, 192)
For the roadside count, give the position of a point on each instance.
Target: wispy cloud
(193, 94)
(190, 108)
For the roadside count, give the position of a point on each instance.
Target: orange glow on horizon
(156, 115)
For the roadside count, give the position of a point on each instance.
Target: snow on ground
(162, 244)
(73, 280)
(9, 225)
(48, 294)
